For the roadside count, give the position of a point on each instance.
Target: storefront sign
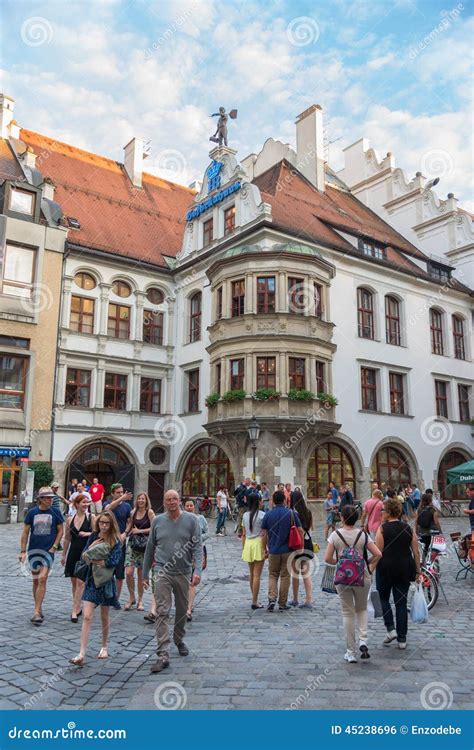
(217, 198)
(15, 452)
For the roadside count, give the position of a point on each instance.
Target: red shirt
(96, 492)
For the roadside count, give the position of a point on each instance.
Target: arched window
(85, 280)
(392, 320)
(121, 289)
(436, 327)
(390, 467)
(207, 468)
(365, 313)
(329, 463)
(153, 319)
(454, 491)
(458, 337)
(195, 312)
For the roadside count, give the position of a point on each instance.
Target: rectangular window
(365, 312)
(78, 387)
(237, 371)
(296, 296)
(318, 300)
(22, 201)
(397, 398)
(208, 232)
(458, 336)
(18, 343)
(436, 325)
(82, 314)
(266, 372)
(153, 327)
(217, 384)
(374, 251)
(229, 220)
(320, 377)
(219, 303)
(193, 390)
(118, 324)
(12, 381)
(115, 391)
(441, 389)
(296, 372)
(195, 311)
(392, 321)
(266, 294)
(18, 270)
(463, 397)
(238, 298)
(369, 388)
(150, 395)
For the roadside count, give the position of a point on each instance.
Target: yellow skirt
(253, 550)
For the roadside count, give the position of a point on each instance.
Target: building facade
(272, 292)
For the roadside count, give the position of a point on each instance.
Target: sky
(95, 73)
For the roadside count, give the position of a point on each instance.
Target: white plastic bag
(370, 609)
(419, 607)
(374, 605)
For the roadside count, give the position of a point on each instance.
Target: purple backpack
(350, 565)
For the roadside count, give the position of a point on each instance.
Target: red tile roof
(301, 208)
(142, 224)
(9, 167)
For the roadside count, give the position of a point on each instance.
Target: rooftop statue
(220, 136)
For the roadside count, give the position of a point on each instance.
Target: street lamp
(254, 431)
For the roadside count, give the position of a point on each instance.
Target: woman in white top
(222, 506)
(253, 551)
(353, 598)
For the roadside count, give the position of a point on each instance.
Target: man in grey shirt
(174, 551)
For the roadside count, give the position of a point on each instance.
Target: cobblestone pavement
(239, 658)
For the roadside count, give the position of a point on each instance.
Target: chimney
(310, 145)
(29, 158)
(7, 105)
(133, 160)
(48, 188)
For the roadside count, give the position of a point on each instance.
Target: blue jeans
(221, 520)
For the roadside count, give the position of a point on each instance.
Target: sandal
(103, 653)
(140, 607)
(77, 661)
(189, 617)
(257, 606)
(37, 620)
(150, 618)
(129, 606)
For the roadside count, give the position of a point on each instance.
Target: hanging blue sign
(15, 452)
(213, 175)
(217, 198)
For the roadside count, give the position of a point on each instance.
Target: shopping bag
(327, 584)
(419, 607)
(374, 599)
(370, 610)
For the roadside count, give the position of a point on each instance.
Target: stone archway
(334, 460)
(202, 467)
(108, 460)
(393, 463)
(452, 456)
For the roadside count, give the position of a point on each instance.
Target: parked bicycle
(448, 508)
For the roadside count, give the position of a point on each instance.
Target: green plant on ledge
(212, 399)
(237, 395)
(266, 394)
(327, 398)
(295, 394)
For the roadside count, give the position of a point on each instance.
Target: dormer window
(372, 250)
(22, 201)
(439, 272)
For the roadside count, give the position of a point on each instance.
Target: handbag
(295, 541)
(327, 584)
(81, 570)
(138, 542)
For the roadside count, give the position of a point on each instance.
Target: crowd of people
(106, 541)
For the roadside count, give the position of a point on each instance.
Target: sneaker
(364, 650)
(159, 666)
(391, 636)
(402, 644)
(350, 657)
(271, 607)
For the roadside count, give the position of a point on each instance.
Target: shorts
(39, 558)
(120, 568)
(134, 557)
(330, 517)
(96, 507)
(253, 550)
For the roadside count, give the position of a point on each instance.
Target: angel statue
(220, 136)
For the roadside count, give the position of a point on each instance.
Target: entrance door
(156, 489)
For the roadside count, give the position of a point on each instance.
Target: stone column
(250, 293)
(139, 308)
(282, 373)
(66, 303)
(281, 292)
(311, 376)
(250, 377)
(103, 305)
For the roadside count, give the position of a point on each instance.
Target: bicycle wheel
(430, 590)
(444, 511)
(456, 510)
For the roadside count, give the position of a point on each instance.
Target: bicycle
(448, 508)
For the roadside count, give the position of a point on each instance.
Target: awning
(462, 474)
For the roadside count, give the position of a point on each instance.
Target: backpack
(425, 518)
(351, 564)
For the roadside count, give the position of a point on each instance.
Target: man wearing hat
(59, 502)
(42, 533)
